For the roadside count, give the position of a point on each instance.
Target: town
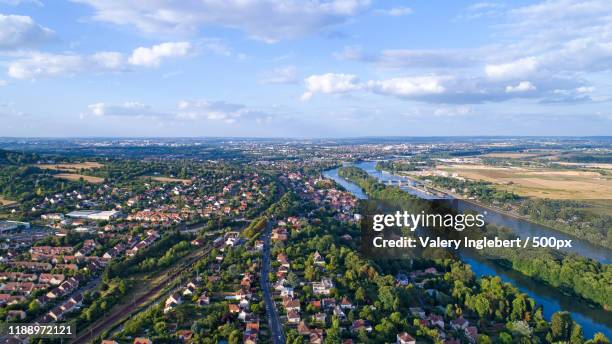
(212, 251)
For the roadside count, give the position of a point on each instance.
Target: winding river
(552, 300)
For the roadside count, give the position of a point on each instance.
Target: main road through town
(276, 328)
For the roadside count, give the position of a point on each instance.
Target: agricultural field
(602, 166)
(4, 201)
(72, 167)
(75, 177)
(169, 179)
(538, 182)
(510, 155)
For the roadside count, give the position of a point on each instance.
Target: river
(552, 300)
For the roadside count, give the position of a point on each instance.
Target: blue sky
(297, 68)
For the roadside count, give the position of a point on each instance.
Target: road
(276, 328)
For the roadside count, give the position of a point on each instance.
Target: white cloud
(482, 10)
(442, 88)
(585, 89)
(46, 65)
(267, 20)
(413, 58)
(127, 109)
(395, 12)
(18, 2)
(152, 57)
(523, 86)
(185, 110)
(34, 65)
(218, 110)
(281, 75)
(109, 59)
(447, 111)
(512, 70)
(409, 86)
(329, 83)
(8, 110)
(21, 31)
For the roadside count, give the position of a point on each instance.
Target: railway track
(119, 315)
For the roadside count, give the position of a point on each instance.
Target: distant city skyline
(308, 69)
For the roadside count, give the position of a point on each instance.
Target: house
(56, 313)
(282, 272)
(203, 300)
(291, 304)
(431, 271)
(188, 291)
(323, 287)
(282, 259)
(193, 284)
(460, 324)
(185, 335)
(286, 292)
(316, 336)
(252, 326)
(246, 281)
(436, 320)
(15, 315)
(174, 299)
(142, 341)
(293, 317)
(328, 303)
(402, 279)
(317, 259)
(249, 338)
(244, 303)
(360, 324)
(54, 279)
(471, 332)
(108, 341)
(303, 329)
(417, 312)
(244, 316)
(404, 338)
(77, 299)
(345, 303)
(233, 308)
(339, 313)
(320, 317)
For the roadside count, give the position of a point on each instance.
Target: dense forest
(481, 190)
(573, 217)
(571, 273)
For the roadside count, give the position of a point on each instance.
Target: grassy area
(75, 177)
(510, 155)
(600, 207)
(539, 182)
(169, 179)
(4, 201)
(72, 167)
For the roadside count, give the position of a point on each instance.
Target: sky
(304, 68)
